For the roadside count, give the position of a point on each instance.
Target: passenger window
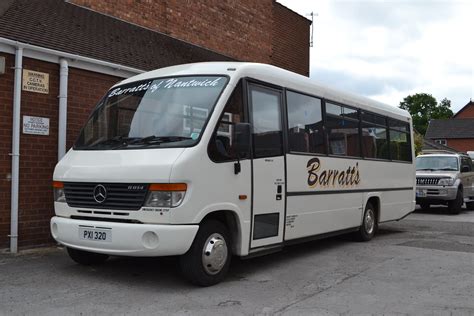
(221, 146)
(374, 137)
(342, 130)
(400, 146)
(400, 143)
(305, 123)
(266, 119)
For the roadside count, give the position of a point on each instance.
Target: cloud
(362, 84)
(390, 49)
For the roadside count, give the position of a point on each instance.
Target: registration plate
(95, 234)
(420, 193)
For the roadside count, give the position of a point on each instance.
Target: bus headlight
(58, 189)
(166, 195)
(446, 181)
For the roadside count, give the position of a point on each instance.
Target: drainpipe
(63, 79)
(16, 150)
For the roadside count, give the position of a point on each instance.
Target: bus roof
(276, 76)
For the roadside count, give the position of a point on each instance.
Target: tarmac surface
(422, 265)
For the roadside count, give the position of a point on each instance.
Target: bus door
(268, 189)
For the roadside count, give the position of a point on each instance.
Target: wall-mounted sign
(35, 125)
(35, 81)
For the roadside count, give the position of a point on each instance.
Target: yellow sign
(35, 81)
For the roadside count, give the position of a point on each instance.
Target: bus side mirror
(242, 139)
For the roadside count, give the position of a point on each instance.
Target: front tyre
(207, 261)
(455, 205)
(369, 224)
(86, 258)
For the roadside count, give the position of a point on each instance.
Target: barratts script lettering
(332, 177)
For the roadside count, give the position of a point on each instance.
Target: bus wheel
(207, 261)
(86, 258)
(369, 224)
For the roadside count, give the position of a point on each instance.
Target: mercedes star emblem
(100, 193)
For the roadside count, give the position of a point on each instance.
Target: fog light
(150, 240)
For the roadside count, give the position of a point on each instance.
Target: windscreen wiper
(448, 169)
(119, 140)
(429, 169)
(152, 140)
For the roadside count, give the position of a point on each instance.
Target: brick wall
(290, 40)
(260, 31)
(38, 154)
(6, 101)
(461, 144)
(466, 112)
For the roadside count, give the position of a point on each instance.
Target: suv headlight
(165, 194)
(58, 190)
(446, 181)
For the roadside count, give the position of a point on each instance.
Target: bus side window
(305, 123)
(342, 124)
(374, 136)
(221, 147)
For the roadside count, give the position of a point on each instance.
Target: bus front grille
(114, 196)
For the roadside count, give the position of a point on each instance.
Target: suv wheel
(470, 205)
(455, 205)
(425, 205)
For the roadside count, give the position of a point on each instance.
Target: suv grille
(427, 181)
(119, 196)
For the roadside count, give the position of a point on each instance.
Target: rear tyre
(86, 258)
(207, 261)
(369, 224)
(455, 205)
(425, 205)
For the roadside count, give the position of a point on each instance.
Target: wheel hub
(369, 221)
(214, 254)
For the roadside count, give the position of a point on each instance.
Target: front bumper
(436, 193)
(141, 240)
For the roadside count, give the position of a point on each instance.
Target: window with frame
(374, 136)
(221, 147)
(441, 142)
(342, 126)
(305, 123)
(267, 130)
(400, 143)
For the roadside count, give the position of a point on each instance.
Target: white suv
(445, 179)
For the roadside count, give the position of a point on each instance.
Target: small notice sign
(35, 125)
(35, 81)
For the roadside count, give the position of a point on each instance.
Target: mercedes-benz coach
(210, 160)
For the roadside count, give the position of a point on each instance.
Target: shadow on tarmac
(163, 272)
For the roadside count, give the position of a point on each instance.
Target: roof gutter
(120, 70)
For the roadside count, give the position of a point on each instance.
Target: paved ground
(423, 265)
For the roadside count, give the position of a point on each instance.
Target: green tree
(423, 108)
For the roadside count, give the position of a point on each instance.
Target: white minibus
(212, 160)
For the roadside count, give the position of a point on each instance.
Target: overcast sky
(387, 50)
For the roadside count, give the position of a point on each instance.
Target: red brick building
(92, 45)
(457, 132)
